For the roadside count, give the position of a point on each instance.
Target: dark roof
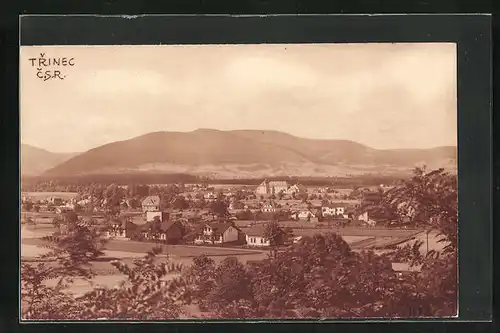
(219, 228)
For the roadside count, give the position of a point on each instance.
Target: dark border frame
(472, 33)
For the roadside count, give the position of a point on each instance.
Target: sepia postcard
(238, 181)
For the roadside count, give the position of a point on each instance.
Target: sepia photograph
(238, 181)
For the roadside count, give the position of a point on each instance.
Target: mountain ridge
(215, 152)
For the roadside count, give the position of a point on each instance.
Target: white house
(255, 237)
(306, 215)
(334, 209)
(217, 233)
(295, 189)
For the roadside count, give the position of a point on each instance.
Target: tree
(230, 294)
(146, 293)
(219, 208)
(113, 195)
(428, 199)
(70, 251)
(275, 235)
(201, 281)
(180, 203)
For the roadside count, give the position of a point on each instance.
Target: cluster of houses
(158, 225)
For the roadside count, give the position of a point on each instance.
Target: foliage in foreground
(316, 278)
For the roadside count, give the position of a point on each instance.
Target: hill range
(244, 154)
(35, 161)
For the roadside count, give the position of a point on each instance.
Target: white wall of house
(117, 232)
(363, 217)
(331, 211)
(304, 215)
(257, 241)
(230, 235)
(268, 209)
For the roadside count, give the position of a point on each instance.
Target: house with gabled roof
(151, 204)
(255, 237)
(269, 207)
(217, 233)
(169, 232)
(124, 230)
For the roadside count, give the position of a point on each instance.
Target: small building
(296, 189)
(55, 201)
(151, 204)
(307, 215)
(217, 233)
(333, 209)
(169, 232)
(255, 237)
(269, 207)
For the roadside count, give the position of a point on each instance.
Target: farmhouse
(255, 237)
(217, 233)
(271, 187)
(151, 204)
(167, 231)
(122, 230)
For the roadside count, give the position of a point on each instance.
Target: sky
(386, 96)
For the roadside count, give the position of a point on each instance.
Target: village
(223, 215)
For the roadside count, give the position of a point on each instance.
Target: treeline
(72, 184)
